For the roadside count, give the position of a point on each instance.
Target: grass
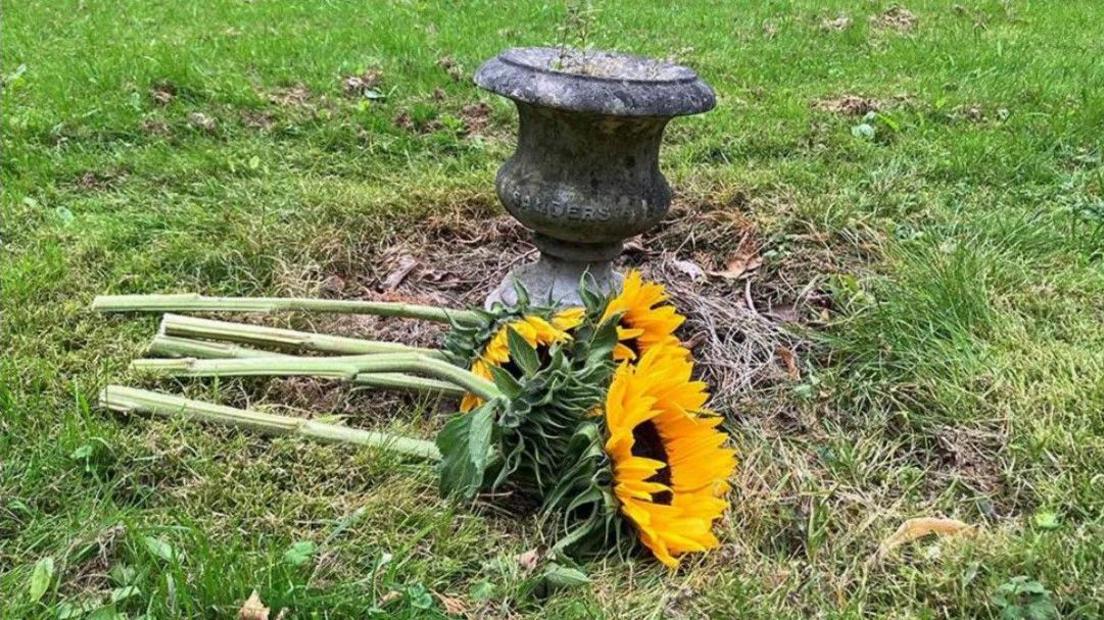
(960, 373)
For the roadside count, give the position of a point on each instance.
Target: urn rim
(615, 83)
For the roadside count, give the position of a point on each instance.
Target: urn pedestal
(585, 175)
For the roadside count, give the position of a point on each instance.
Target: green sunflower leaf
(505, 383)
(465, 445)
(522, 353)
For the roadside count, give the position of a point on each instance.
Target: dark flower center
(648, 444)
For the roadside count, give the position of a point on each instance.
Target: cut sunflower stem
(133, 400)
(186, 347)
(191, 302)
(347, 368)
(259, 335)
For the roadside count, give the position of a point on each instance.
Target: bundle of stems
(132, 400)
(190, 302)
(211, 348)
(259, 335)
(349, 368)
(172, 346)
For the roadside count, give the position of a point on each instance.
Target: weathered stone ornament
(585, 175)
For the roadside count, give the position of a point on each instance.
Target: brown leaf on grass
(453, 606)
(403, 267)
(333, 285)
(253, 608)
(895, 18)
(403, 120)
(390, 597)
(739, 264)
(789, 359)
(361, 85)
(529, 560)
(919, 527)
(163, 93)
(689, 268)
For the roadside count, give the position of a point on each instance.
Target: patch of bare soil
(155, 127)
(92, 180)
(362, 85)
(895, 18)
(836, 24)
(258, 119)
(848, 104)
(296, 96)
(163, 93)
(710, 259)
(475, 116)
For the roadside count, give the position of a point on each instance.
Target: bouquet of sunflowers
(592, 410)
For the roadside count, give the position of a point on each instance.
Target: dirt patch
(96, 180)
(258, 119)
(202, 122)
(295, 96)
(895, 18)
(835, 24)
(848, 104)
(455, 257)
(163, 93)
(452, 68)
(475, 116)
(155, 127)
(363, 85)
(94, 557)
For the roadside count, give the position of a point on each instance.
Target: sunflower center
(648, 444)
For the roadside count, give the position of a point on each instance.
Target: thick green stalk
(186, 347)
(125, 399)
(347, 367)
(259, 335)
(191, 302)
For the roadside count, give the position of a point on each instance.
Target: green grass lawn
(210, 147)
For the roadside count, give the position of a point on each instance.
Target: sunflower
(646, 320)
(670, 466)
(535, 330)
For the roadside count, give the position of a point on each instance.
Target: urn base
(553, 281)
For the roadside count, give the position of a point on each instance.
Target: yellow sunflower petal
(670, 463)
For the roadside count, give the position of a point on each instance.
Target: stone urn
(585, 175)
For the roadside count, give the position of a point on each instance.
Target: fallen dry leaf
(360, 85)
(529, 559)
(453, 606)
(738, 265)
(391, 596)
(163, 93)
(253, 608)
(919, 527)
(405, 265)
(690, 268)
(788, 358)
